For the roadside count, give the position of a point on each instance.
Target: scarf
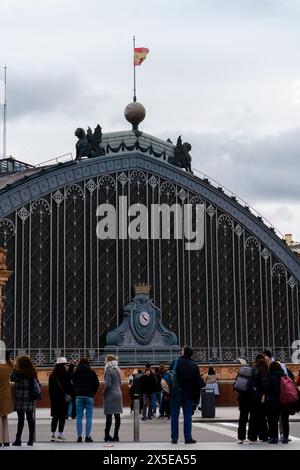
(113, 364)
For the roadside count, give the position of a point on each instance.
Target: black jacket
(85, 381)
(274, 389)
(59, 386)
(188, 377)
(148, 384)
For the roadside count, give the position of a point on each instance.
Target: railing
(140, 356)
(55, 160)
(240, 201)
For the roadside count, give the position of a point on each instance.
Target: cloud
(257, 169)
(219, 73)
(37, 95)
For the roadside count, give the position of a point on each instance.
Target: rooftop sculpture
(88, 144)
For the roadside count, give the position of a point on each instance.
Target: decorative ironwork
(252, 244)
(23, 214)
(41, 206)
(76, 191)
(7, 227)
(182, 194)
(211, 210)
(153, 182)
(196, 200)
(291, 282)
(167, 189)
(91, 185)
(58, 197)
(137, 177)
(107, 182)
(278, 270)
(265, 254)
(239, 230)
(123, 179)
(224, 221)
(231, 299)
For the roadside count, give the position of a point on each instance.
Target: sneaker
(285, 441)
(52, 439)
(88, 439)
(60, 439)
(79, 439)
(273, 441)
(173, 441)
(240, 442)
(190, 441)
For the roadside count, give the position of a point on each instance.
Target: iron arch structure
(235, 296)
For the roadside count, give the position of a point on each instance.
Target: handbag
(68, 397)
(35, 390)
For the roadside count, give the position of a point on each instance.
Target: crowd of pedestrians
(264, 403)
(268, 397)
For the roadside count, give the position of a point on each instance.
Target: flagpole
(134, 80)
(4, 116)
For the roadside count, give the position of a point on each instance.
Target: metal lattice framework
(237, 295)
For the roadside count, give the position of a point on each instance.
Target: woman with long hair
(86, 384)
(258, 425)
(60, 391)
(6, 404)
(112, 397)
(211, 381)
(25, 378)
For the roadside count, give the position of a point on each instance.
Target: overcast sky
(223, 73)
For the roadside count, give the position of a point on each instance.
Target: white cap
(242, 361)
(61, 360)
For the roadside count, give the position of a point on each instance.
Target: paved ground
(218, 433)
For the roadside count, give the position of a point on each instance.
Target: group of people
(261, 405)
(147, 385)
(70, 388)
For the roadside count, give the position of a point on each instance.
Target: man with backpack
(244, 386)
(184, 386)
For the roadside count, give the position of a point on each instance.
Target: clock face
(144, 318)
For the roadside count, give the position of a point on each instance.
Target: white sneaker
(240, 442)
(60, 439)
(52, 439)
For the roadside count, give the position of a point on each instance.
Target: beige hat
(61, 360)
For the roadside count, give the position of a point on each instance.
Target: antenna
(4, 116)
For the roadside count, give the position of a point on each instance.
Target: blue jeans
(84, 403)
(187, 417)
(156, 398)
(70, 409)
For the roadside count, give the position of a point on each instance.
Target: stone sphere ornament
(135, 113)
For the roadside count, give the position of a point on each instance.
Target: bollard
(136, 418)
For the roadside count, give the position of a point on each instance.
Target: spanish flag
(140, 54)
